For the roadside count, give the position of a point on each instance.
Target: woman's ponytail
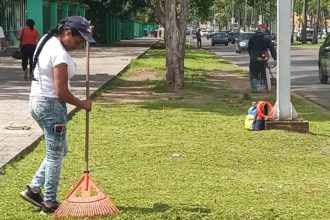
(51, 33)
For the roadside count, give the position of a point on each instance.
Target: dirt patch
(235, 81)
(143, 75)
(135, 88)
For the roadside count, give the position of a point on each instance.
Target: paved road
(304, 71)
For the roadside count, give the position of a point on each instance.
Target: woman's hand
(87, 105)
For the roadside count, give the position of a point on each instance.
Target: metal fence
(12, 18)
(47, 13)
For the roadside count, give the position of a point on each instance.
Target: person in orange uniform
(28, 36)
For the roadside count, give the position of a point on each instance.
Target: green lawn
(189, 157)
(308, 44)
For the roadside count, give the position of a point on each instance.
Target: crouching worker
(50, 91)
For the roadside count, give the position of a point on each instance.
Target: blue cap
(81, 25)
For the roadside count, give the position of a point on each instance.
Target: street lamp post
(285, 114)
(284, 107)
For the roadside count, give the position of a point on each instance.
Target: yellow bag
(249, 119)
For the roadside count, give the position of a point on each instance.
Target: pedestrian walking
(258, 48)
(3, 41)
(50, 91)
(199, 38)
(28, 37)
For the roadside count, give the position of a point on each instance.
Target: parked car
(232, 36)
(309, 35)
(242, 42)
(323, 34)
(219, 38)
(324, 61)
(209, 34)
(193, 32)
(204, 32)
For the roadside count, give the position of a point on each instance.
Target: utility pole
(285, 114)
(284, 108)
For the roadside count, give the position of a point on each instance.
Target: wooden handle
(87, 112)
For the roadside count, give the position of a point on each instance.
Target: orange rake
(86, 199)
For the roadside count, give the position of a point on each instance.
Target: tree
(293, 21)
(172, 14)
(316, 26)
(303, 30)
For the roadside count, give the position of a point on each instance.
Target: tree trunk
(175, 38)
(303, 30)
(317, 23)
(293, 21)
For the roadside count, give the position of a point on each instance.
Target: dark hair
(30, 23)
(52, 32)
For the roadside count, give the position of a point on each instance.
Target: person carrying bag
(28, 37)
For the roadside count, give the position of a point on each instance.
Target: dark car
(242, 42)
(232, 36)
(324, 61)
(219, 38)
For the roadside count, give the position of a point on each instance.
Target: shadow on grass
(201, 95)
(162, 207)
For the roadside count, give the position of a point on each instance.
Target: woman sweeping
(50, 91)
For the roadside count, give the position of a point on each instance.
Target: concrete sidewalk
(18, 131)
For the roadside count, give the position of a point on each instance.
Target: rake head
(86, 200)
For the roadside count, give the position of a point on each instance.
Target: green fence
(47, 13)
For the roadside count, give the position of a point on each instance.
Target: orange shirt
(29, 37)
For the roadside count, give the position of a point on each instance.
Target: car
(323, 34)
(232, 36)
(192, 31)
(219, 38)
(209, 34)
(242, 41)
(309, 35)
(324, 61)
(203, 32)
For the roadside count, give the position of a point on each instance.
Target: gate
(12, 18)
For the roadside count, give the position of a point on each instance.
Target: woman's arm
(38, 37)
(19, 35)
(62, 91)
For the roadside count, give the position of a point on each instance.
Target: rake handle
(87, 112)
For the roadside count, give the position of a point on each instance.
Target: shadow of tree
(162, 207)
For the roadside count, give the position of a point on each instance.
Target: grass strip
(188, 156)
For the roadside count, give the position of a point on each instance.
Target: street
(304, 70)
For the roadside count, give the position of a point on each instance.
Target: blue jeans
(51, 115)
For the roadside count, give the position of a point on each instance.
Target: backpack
(257, 115)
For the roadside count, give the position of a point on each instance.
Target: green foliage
(189, 158)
